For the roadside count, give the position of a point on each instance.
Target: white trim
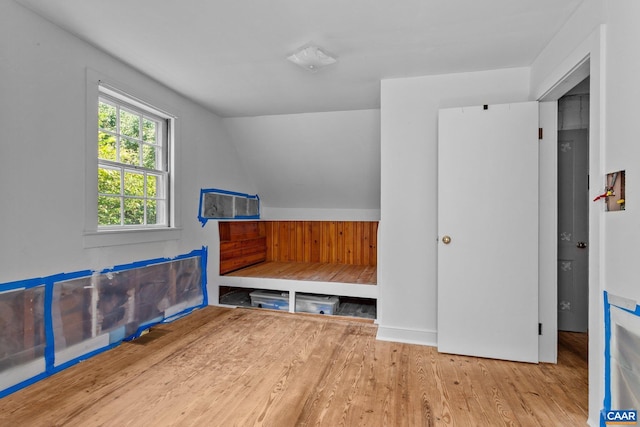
(96, 239)
(287, 285)
(548, 237)
(574, 76)
(594, 47)
(125, 236)
(408, 336)
(300, 214)
(121, 95)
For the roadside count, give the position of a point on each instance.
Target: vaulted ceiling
(229, 55)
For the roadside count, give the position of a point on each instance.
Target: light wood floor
(313, 271)
(246, 367)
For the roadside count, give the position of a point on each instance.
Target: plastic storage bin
(318, 304)
(274, 300)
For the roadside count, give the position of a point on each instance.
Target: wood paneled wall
(242, 243)
(340, 242)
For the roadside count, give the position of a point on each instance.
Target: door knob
(581, 245)
(446, 240)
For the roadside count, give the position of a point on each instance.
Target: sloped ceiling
(229, 55)
(307, 140)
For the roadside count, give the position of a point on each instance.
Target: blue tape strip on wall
(607, 359)
(50, 366)
(204, 219)
(606, 411)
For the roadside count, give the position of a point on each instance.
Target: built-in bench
(319, 257)
(323, 247)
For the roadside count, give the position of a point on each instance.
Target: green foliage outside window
(126, 194)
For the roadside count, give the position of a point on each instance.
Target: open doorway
(573, 209)
(573, 227)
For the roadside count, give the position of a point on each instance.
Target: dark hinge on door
(539, 328)
(539, 133)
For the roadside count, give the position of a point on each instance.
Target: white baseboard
(408, 336)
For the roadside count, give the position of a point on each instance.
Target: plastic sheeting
(69, 317)
(22, 335)
(216, 204)
(126, 300)
(625, 359)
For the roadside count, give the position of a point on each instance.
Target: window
(133, 172)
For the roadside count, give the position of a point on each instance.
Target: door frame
(548, 272)
(547, 238)
(549, 71)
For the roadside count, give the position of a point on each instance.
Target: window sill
(96, 239)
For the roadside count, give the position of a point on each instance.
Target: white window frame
(161, 170)
(94, 236)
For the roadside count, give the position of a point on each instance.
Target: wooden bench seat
(328, 251)
(310, 271)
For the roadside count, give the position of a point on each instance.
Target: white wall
(408, 228)
(622, 270)
(42, 153)
(313, 166)
(620, 151)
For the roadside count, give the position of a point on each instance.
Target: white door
(488, 231)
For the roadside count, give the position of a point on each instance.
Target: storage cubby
(234, 296)
(366, 308)
(304, 302)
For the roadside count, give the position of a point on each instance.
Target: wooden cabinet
(241, 244)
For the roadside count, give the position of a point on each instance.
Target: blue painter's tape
(116, 336)
(182, 313)
(230, 193)
(7, 391)
(201, 218)
(39, 281)
(64, 277)
(22, 284)
(605, 413)
(607, 358)
(204, 256)
(204, 191)
(50, 346)
(146, 263)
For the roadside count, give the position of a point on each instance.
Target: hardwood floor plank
(311, 271)
(244, 367)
